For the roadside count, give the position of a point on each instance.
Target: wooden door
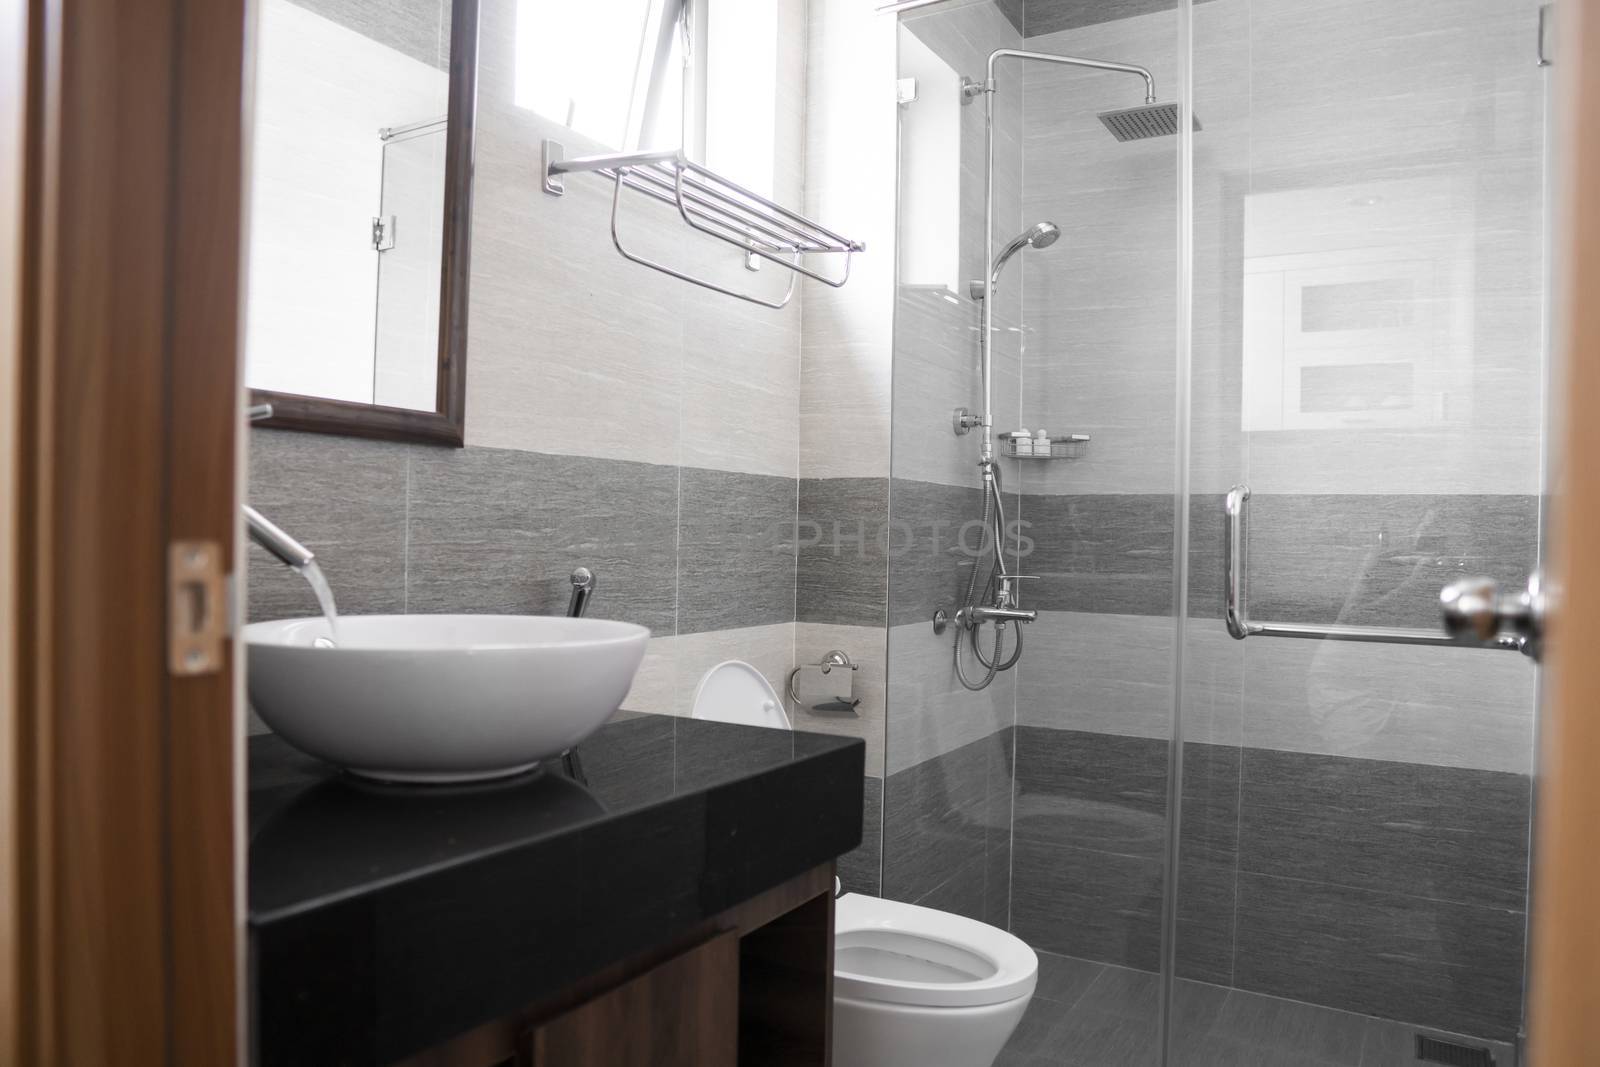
(1564, 993)
(121, 849)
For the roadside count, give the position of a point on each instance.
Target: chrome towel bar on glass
(1241, 627)
(713, 205)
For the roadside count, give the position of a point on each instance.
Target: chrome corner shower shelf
(1240, 627)
(714, 206)
(1070, 446)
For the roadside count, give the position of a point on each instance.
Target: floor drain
(1433, 1050)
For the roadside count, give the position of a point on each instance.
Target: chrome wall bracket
(1241, 627)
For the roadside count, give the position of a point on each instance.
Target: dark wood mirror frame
(445, 425)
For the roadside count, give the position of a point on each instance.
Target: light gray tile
(769, 649)
(847, 336)
(1444, 706)
(736, 557)
(867, 647)
(930, 713)
(343, 498)
(1099, 673)
(1052, 16)
(741, 383)
(655, 686)
(417, 28)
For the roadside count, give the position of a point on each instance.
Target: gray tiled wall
(1383, 888)
(1334, 559)
(417, 28)
(947, 831)
(497, 530)
(843, 551)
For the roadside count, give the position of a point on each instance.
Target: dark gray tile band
(343, 498)
(499, 530)
(1330, 559)
(1440, 833)
(481, 530)
(842, 575)
(1431, 848)
(1090, 811)
(928, 559)
(860, 870)
(1380, 560)
(736, 550)
(1100, 552)
(944, 841)
(1451, 966)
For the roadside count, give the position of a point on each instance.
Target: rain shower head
(1143, 122)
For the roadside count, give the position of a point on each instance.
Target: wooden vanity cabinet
(751, 986)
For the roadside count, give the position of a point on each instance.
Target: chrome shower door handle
(1475, 608)
(1233, 565)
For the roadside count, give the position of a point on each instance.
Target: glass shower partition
(1368, 358)
(1039, 803)
(1331, 289)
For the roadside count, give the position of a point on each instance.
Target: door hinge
(383, 232)
(197, 608)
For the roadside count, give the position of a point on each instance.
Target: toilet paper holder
(825, 686)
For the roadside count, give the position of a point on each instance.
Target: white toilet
(912, 987)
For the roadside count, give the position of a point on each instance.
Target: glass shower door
(1369, 358)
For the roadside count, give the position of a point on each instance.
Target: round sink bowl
(440, 698)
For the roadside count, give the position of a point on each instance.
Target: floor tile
(1290, 1026)
(1065, 978)
(1391, 1044)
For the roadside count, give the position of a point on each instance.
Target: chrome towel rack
(712, 205)
(1240, 627)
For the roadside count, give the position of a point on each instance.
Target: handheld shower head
(1043, 234)
(1039, 235)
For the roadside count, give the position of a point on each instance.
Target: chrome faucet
(272, 538)
(1004, 608)
(584, 581)
(266, 533)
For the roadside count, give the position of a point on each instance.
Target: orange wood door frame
(1564, 994)
(124, 795)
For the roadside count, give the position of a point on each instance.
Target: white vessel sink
(440, 698)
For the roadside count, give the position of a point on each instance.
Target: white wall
(322, 93)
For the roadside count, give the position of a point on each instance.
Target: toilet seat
(889, 952)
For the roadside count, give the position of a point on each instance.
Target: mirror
(360, 216)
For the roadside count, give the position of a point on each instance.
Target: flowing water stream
(313, 575)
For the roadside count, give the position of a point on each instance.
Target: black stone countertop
(386, 919)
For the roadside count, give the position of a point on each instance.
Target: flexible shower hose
(994, 524)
